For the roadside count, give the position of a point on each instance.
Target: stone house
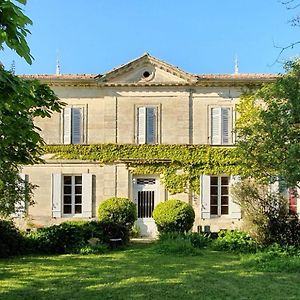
(148, 102)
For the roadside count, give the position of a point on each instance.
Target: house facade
(144, 102)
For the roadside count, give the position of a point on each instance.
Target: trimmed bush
(121, 211)
(173, 216)
(236, 241)
(12, 241)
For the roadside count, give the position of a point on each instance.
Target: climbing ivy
(180, 166)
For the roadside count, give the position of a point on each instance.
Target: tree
(268, 129)
(21, 101)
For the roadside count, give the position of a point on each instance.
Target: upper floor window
(73, 125)
(221, 125)
(147, 125)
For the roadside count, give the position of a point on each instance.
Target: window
(73, 125)
(219, 195)
(221, 125)
(147, 125)
(72, 195)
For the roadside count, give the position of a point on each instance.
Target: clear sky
(198, 36)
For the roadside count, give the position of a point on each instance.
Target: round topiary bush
(119, 211)
(173, 216)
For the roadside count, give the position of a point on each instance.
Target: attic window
(146, 74)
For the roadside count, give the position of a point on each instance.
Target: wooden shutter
(234, 208)
(76, 125)
(67, 121)
(141, 126)
(205, 197)
(151, 125)
(21, 207)
(215, 125)
(87, 192)
(57, 195)
(225, 115)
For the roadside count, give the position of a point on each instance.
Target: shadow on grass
(141, 273)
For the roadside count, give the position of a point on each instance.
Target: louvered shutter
(234, 208)
(150, 125)
(225, 112)
(87, 190)
(57, 195)
(205, 197)
(20, 207)
(76, 125)
(141, 130)
(215, 126)
(67, 121)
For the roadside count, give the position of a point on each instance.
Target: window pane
(78, 199)
(67, 209)
(224, 190)
(214, 180)
(78, 179)
(224, 180)
(213, 210)
(224, 200)
(214, 190)
(67, 199)
(214, 200)
(67, 190)
(224, 210)
(77, 209)
(67, 179)
(78, 190)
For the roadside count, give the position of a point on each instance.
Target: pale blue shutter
(87, 190)
(76, 125)
(141, 126)
(234, 208)
(21, 207)
(150, 125)
(67, 120)
(225, 114)
(205, 197)
(215, 126)
(57, 195)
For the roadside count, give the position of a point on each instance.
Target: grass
(140, 272)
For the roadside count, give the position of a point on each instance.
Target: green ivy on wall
(180, 166)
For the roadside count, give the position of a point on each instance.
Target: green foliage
(236, 241)
(265, 214)
(269, 129)
(67, 237)
(93, 249)
(116, 210)
(176, 244)
(13, 28)
(11, 240)
(135, 231)
(199, 240)
(180, 165)
(173, 216)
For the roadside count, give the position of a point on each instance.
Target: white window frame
(219, 196)
(219, 139)
(67, 127)
(73, 195)
(141, 124)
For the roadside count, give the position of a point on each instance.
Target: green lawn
(141, 273)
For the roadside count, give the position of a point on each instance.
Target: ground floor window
(219, 195)
(72, 194)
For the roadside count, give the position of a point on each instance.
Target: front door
(146, 198)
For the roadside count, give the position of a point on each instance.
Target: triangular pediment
(147, 69)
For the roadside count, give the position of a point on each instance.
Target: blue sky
(198, 36)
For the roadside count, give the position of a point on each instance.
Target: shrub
(121, 211)
(68, 237)
(265, 214)
(93, 249)
(173, 216)
(236, 241)
(199, 240)
(12, 241)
